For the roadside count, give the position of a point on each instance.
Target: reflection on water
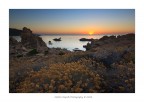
(69, 42)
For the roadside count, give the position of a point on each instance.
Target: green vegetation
(32, 52)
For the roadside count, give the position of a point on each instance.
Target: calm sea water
(69, 42)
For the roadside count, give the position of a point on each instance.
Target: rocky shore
(107, 66)
(30, 45)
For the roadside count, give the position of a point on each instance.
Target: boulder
(85, 39)
(30, 41)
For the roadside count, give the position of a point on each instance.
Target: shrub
(19, 55)
(61, 53)
(32, 52)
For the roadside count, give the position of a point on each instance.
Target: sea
(69, 42)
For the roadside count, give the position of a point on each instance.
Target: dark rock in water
(88, 46)
(77, 49)
(32, 42)
(57, 39)
(50, 42)
(85, 39)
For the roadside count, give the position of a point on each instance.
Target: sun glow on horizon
(91, 33)
(74, 21)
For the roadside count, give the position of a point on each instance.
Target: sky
(74, 21)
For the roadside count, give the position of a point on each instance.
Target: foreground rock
(31, 41)
(112, 49)
(111, 41)
(30, 45)
(16, 48)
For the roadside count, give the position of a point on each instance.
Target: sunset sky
(74, 21)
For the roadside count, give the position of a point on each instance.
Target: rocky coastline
(107, 66)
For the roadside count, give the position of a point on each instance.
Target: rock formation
(12, 41)
(30, 41)
(85, 39)
(111, 49)
(111, 40)
(12, 44)
(16, 48)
